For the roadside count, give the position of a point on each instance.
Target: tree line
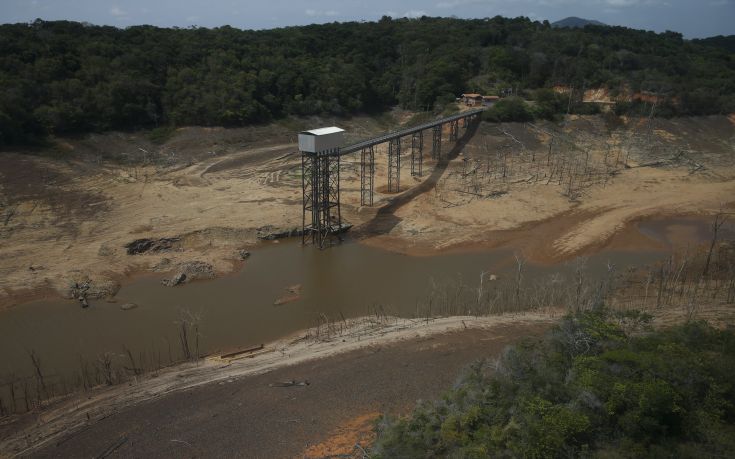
(61, 77)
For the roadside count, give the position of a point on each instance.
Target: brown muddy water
(237, 311)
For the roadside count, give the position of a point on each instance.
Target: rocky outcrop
(270, 233)
(198, 270)
(86, 289)
(178, 279)
(190, 271)
(146, 245)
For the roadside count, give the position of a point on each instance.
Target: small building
(477, 100)
(489, 101)
(472, 99)
(321, 140)
(647, 97)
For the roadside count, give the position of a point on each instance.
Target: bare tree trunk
(41, 390)
(519, 279)
(719, 221)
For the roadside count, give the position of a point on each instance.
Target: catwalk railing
(322, 218)
(406, 132)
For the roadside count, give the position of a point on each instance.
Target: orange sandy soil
(344, 440)
(66, 217)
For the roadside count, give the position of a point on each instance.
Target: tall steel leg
(367, 176)
(417, 153)
(453, 130)
(436, 147)
(321, 197)
(394, 165)
(307, 193)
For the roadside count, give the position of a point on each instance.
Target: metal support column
(417, 153)
(308, 162)
(367, 176)
(465, 124)
(453, 131)
(394, 165)
(321, 200)
(436, 146)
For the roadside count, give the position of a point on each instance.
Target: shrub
(599, 383)
(549, 103)
(507, 110)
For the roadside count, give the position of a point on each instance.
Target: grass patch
(450, 109)
(292, 124)
(419, 118)
(386, 121)
(161, 135)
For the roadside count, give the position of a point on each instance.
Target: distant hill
(725, 42)
(575, 22)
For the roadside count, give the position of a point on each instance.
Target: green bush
(161, 135)
(507, 110)
(600, 384)
(549, 103)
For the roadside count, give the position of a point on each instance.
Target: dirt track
(67, 220)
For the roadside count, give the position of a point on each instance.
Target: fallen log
(291, 383)
(242, 351)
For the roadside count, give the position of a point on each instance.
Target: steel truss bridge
(322, 218)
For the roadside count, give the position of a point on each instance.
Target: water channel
(238, 310)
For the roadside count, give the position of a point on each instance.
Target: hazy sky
(693, 18)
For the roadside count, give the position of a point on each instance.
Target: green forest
(62, 78)
(600, 384)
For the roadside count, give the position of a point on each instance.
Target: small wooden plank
(241, 352)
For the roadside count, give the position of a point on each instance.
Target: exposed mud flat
(67, 221)
(503, 188)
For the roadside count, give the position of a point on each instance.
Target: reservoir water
(238, 310)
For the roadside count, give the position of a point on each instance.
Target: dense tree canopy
(67, 77)
(598, 385)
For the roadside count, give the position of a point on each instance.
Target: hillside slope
(574, 22)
